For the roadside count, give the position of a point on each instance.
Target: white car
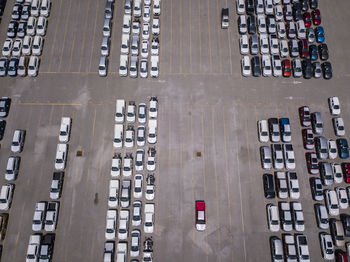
(151, 160)
(6, 195)
(37, 45)
(259, 7)
(281, 182)
(338, 125)
(266, 65)
(264, 44)
(51, 216)
(293, 185)
(281, 30)
(7, 48)
(285, 216)
(144, 48)
(301, 30)
(332, 149)
(244, 44)
(263, 131)
(123, 229)
(332, 203)
(240, 4)
(123, 68)
(334, 105)
(65, 129)
(126, 24)
(135, 27)
(124, 49)
(31, 26)
(147, 2)
(298, 216)
(276, 66)
(127, 165)
(33, 248)
(131, 113)
(141, 136)
(149, 219)
(142, 113)
(33, 66)
(246, 67)
(150, 189)
(155, 46)
(129, 137)
(154, 66)
(27, 45)
(342, 197)
(261, 24)
(136, 213)
(17, 48)
(152, 131)
(321, 216)
(45, 8)
(61, 156)
(268, 7)
(41, 26)
(273, 217)
(277, 156)
(278, 13)
(274, 47)
(289, 157)
(133, 66)
(156, 7)
(284, 51)
(155, 26)
(337, 173)
(138, 181)
(140, 156)
(145, 31)
(116, 166)
(118, 131)
(111, 221)
(135, 243)
(153, 108)
(113, 193)
(137, 8)
(146, 14)
(144, 68)
(327, 246)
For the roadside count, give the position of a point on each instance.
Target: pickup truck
(122, 250)
(56, 185)
(51, 216)
(65, 129)
(149, 218)
(123, 225)
(111, 222)
(39, 216)
(33, 248)
(224, 18)
(61, 156)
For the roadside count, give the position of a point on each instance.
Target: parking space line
(93, 38)
(240, 192)
(247, 136)
(171, 36)
(209, 36)
(216, 177)
(19, 232)
(84, 40)
(29, 117)
(65, 35)
(200, 37)
(218, 36)
(192, 161)
(190, 26)
(204, 181)
(229, 44)
(227, 178)
(47, 104)
(54, 39)
(91, 140)
(181, 36)
(71, 53)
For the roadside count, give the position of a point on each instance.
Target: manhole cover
(199, 154)
(79, 153)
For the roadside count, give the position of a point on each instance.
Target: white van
(35, 8)
(119, 110)
(18, 141)
(12, 168)
(118, 136)
(152, 131)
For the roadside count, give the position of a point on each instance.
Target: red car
(305, 116)
(304, 48)
(312, 163)
(200, 215)
(308, 139)
(316, 17)
(341, 256)
(287, 69)
(346, 172)
(307, 19)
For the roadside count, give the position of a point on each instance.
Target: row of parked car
(133, 65)
(336, 198)
(124, 199)
(28, 24)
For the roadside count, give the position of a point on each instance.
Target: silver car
(133, 66)
(144, 68)
(316, 68)
(254, 45)
(297, 69)
(266, 159)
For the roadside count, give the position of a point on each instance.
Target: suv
(46, 248)
(266, 160)
(269, 187)
(56, 185)
(274, 129)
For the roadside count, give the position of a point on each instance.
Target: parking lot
(207, 137)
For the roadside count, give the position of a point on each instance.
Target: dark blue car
(313, 52)
(319, 34)
(343, 148)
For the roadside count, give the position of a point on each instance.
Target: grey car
(3, 66)
(317, 123)
(293, 48)
(254, 46)
(144, 68)
(326, 173)
(310, 35)
(109, 10)
(316, 69)
(266, 159)
(321, 216)
(321, 147)
(133, 66)
(297, 70)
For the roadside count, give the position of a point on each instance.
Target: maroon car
(304, 48)
(346, 172)
(316, 17)
(308, 139)
(312, 163)
(305, 116)
(307, 19)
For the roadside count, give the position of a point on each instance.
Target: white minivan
(118, 136)
(119, 110)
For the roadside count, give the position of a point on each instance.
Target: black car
(5, 103)
(251, 25)
(249, 7)
(313, 4)
(13, 66)
(269, 186)
(22, 29)
(323, 51)
(2, 128)
(12, 29)
(25, 12)
(345, 219)
(256, 68)
(304, 5)
(2, 6)
(46, 248)
(56, 185)
(343, 148)
(307, 68)
(297, 14)
(327, 70)
(313, 52)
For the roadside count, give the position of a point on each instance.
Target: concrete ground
(204, 105)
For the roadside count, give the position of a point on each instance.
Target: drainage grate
(79, 153)
(199, 154)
